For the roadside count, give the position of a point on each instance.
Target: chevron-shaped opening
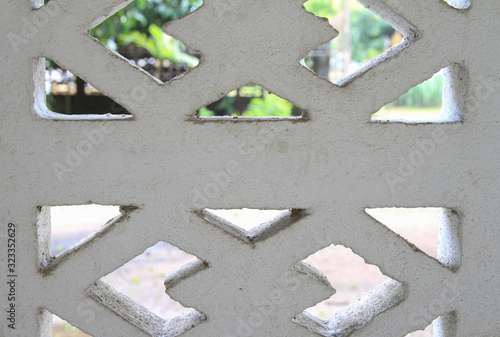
(61, 95)
(135, 33)
(136, 290)
(459, 4)
(250, 102)
(142, 278)
(368, 35)
(433, 230)
(362, 292)
(62, 230)
(52, 325)
(440, 99)
(252, 225)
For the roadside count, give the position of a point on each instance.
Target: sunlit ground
(142, 278)
(352, 277)
(247, 218)
(408, 114)
(62, 328)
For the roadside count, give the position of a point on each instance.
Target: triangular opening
(433, 230)
(68, 94)
(421, 104)
(444, 325)
(250, 102)
(61, 328)
(51, 325)
(252, 225)
(137, 290)
(459, 4)
(135, 33)
(440, 99)
(72, 224)
(64, 229)
(419, 226)
(358, 286)
(363, 36)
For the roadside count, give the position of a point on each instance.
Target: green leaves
(425, 95)
(268, 105)
(321, 8)
(159, 45)
(370, 35)
(138, 17)
(252, 101)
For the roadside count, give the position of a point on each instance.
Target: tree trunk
(346, 36)
(321, 60)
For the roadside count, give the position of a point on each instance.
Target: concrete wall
(330, 167)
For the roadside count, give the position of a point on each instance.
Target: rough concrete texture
(334, 165)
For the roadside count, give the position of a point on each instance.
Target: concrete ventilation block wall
(326, 170)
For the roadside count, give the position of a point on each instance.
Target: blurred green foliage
(225, 104)
(370, 36)
(139, 23)
(321, 8)
(425, 95)
(261, 103)
(369, 33)
(268, 105)
(159, 45)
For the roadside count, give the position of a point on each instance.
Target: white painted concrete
(334, 165)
